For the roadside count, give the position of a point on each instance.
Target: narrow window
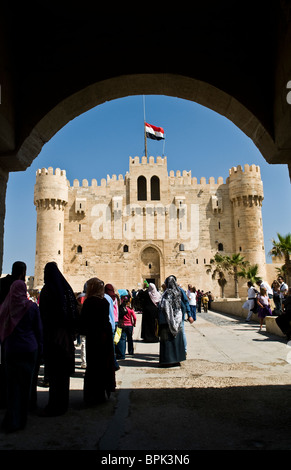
(141, 188)
(155, 188)
(79, 249)
(220, 247)
(125, 249)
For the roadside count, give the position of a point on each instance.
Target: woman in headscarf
(99, 380)
(21, 338)
(110, 291)
(149, 300)
(58, 308)
(172, 348)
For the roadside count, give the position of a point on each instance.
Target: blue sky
(100, 142)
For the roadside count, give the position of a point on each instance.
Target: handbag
(117, 335)
(255, 307)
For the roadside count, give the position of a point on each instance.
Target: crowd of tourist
(265, 300)
(101, 320)
(43, 332)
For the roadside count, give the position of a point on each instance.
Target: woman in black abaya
(149, 299)
(99, 380)
(58, 309)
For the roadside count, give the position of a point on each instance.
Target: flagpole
(144, 126)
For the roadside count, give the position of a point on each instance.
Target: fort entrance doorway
(150, 265)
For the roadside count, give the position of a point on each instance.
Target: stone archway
(187, 88)
(150, 265)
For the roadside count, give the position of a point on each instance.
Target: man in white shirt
(250, 303)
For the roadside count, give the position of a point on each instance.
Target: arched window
(220, 247)
(79, 249)
(141, 188)
(125, 249)
(181, 247)
(155, 188)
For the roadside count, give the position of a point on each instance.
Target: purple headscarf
(13, 308)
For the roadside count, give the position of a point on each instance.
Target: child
(127, 320)
(264, 308)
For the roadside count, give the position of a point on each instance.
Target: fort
(147, 224)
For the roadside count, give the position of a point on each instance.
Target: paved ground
(232, 393)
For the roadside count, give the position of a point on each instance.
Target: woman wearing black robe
(99, 380)
(149, 300)
(58, 309)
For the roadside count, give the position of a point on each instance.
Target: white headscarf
(154, 294)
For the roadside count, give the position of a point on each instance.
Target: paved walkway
(230, 393)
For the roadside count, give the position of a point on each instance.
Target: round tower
(246, 195)
(50, 199)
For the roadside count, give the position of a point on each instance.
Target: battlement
(51, 185)
(50, 171)
(185, 178)
(176, 178)
(245, 184)
(147, 161)
(103, 183)
(249, 170)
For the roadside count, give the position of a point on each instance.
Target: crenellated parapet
(138, 166)
(245, 185)
(110, 181)
(185, 178)
(51, 189)
(147, 161)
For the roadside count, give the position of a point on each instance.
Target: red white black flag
(154, 132)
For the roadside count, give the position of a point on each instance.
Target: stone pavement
(232, 393)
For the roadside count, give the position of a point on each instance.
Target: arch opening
(178, 86)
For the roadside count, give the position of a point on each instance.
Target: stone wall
(147, 224)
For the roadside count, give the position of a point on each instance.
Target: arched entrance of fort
(238, 65)
(151, 265)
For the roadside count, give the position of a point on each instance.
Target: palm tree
(282, 248)
(250, 273)
(281, 272)
(233, 263)
(218, 269)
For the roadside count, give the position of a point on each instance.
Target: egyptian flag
(153, 132)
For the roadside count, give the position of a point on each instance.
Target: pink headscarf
(154, 294)
(13, 308)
